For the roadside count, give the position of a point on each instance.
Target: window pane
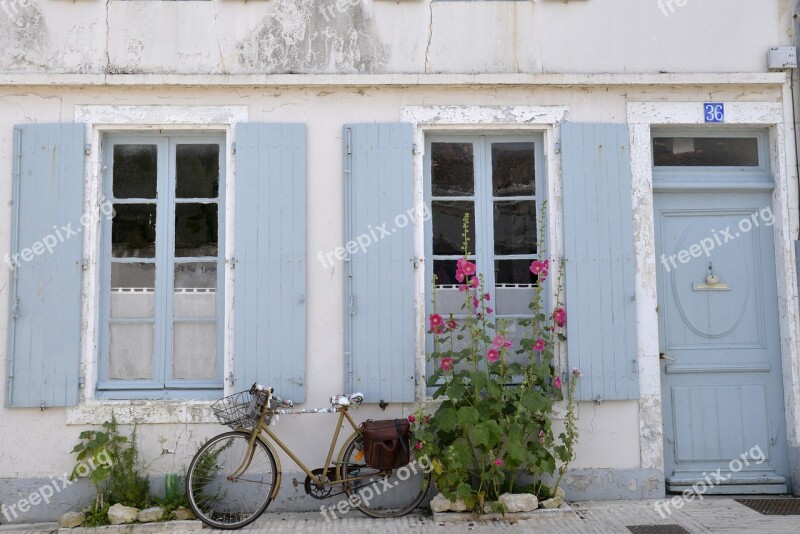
(133, 231)
(705, 151)
(195, 290)
(131, 352)
(132, 290)
(452, 173)
(448, 227)
(195, 230)
(513, 169)
(513, 272)
(445, 271)
(197, 171)
(513, 299)
(194, 351)
(135, 171)
(515, 227)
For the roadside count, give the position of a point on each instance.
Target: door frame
(776, 119)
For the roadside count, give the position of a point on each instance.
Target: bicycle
(235, 475)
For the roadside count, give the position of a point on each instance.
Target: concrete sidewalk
(713, 514)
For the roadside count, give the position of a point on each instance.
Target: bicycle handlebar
(281, 403)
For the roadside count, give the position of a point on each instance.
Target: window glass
(452, 173)
(513, 169)
(162, 274)
(705, 151)
(135, 171)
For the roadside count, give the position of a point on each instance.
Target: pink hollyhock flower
(475, 302)
(489, 309)
(560, 316)
(576, 371)
(557, 382)
(492, 355)
(539, 345)
(508, 343)
(469, 268)
(451, 324)
(418, 446)
(411, 418)
(460, 263)
(498, 462)
(487, 296)
(543, 276)
(541, 437)
(537, 267)
(436, 320)
(499, 341)
(446, 364)
(460, 275)
(474, 282)
(439, 329)
(428, 419)
(462, 287)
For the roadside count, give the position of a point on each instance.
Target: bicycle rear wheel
(222, 502)
(382, 494)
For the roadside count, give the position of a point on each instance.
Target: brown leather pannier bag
(386, 444)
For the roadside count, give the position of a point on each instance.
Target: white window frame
(482, 120)
(100, 120)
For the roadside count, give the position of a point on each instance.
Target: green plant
(113, 464)
(96, 459)
(207, 469)
(96, 517)
(495, 421)
(127, 483)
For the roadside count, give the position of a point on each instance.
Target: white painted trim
(317, 80)
(103, 119)
(430, 119)
(776, 117)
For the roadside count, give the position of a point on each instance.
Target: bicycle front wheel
(218, 498)
(383, 493)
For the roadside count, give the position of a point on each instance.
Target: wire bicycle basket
(240, 410)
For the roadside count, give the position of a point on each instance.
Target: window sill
(172, 411)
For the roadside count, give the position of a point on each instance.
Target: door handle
(662, 356)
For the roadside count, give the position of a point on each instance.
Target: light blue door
(718, 329)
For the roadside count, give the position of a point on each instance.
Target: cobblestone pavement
(712, 515)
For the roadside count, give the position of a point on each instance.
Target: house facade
(201, 195)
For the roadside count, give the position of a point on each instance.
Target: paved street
(714, 514)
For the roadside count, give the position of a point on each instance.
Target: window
(162, 269)
(498, 181)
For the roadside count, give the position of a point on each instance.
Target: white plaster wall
(380, 36)
(37, 443)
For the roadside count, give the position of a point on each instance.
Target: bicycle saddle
(347, 400)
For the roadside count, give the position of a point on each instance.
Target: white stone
(440, 503)
(71, 520)
(183, 514)
(119, 514)
(555, 502)
(519, 502)
(148, 515)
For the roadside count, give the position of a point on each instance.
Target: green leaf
(468, 416)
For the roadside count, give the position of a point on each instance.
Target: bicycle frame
(256, 433)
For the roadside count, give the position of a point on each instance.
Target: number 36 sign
(714, 112)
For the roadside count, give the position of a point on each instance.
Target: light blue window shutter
(270, 252)
(45, 319)
(379, 280)
(598, 232)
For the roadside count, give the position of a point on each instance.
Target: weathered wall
(381, 36)
(35, 445)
